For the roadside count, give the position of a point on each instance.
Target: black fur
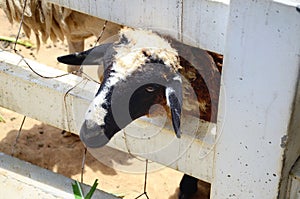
(188, 186)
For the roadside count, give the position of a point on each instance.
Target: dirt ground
(45, 145)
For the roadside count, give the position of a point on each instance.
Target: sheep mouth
(93, 137)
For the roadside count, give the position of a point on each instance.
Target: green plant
(1, 119)
(27, 44)
(78, 193)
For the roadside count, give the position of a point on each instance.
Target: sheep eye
(150, 89)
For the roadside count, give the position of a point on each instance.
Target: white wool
(169, 91)
(130, 56)
(177, 78)
(96, 113)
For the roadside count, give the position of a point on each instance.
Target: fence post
(258, 119)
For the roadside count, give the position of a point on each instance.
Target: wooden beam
(43, 99)
(25, 180)
(259, 103)
(200, 23)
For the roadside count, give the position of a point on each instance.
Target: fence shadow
(45, 146)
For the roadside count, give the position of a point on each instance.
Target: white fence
(259, 112)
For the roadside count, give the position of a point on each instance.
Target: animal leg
(192, 188)
(188, 186)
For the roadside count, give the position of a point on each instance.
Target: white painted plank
(154, 14)
(204, 24)
(42, 99)
(39, 98)
(201, 23)
(21, 179)
(260, 77)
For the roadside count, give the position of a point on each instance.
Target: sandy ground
(45, 146)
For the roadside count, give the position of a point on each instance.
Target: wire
(145, 183)
(82, 164)
(21, 24)
(101, 33)
(17, 137)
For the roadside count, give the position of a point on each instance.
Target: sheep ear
(174, 102)
(92, 56)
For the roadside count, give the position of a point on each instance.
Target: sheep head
(140, 70)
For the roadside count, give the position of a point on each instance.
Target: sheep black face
(140, 70)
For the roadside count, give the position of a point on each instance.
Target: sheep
(140, 70)
(140, 64)
(47, 20)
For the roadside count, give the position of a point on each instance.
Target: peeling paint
(283, 141)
